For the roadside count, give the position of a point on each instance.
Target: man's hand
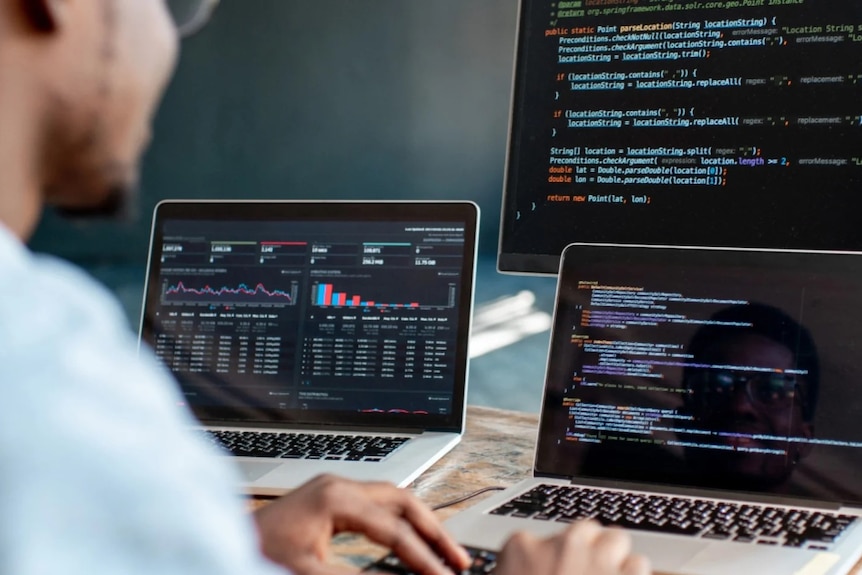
(296, 530)
(584, 549)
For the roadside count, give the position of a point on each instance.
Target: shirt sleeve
(101, 472)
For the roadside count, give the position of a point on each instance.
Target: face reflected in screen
(754, 389)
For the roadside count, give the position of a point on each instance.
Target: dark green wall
(335, 99)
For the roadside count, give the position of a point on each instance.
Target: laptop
(707, 400)
(314, 337)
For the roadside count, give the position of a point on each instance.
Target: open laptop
(316, 336)
(708, 400)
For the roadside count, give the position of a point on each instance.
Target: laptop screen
(314, 312)
(724, 369)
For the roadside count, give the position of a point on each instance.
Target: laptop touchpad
(722, 558)
(254, 470)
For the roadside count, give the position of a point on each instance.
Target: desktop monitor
(683, 122)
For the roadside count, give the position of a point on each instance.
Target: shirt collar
(11, 247)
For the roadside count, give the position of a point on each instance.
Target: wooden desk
(497, 449)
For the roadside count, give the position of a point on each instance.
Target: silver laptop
(312, 337)
(706, 399)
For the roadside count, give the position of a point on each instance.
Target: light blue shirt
(99, 472)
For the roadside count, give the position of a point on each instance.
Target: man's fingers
(320, 568)
(636, 565)
(430, 529)
(611, 548)
(422, 520)
(395, 532)
(585, 548)
(572, 548)
(604, 550)
(519, 555)
(392, 517)
(586, 530)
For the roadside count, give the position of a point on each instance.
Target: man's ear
(45, 15)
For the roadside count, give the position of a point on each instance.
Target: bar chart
(324, 294)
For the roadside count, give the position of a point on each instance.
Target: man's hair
(769, 322)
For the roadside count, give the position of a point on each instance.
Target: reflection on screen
(706, 375)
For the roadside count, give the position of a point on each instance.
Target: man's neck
(20, 190)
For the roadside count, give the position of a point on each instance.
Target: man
(763, 381)
(87, 485)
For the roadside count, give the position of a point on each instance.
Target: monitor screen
(720, 123)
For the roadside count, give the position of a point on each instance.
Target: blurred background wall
(323, 99)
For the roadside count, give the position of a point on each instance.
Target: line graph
(238, 293)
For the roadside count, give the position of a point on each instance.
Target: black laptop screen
(338, 313)
(720, 369)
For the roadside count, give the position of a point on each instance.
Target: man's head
(79, 84)
(756, 373)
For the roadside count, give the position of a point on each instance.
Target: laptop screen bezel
(460, 213)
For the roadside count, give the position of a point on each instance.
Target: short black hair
(772, 323)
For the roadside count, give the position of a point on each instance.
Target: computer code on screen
(727, 123)
(720, 368)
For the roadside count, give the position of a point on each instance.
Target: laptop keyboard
(484, 562)
(307, 445)
(741, 522)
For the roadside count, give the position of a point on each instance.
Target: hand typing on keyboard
(296, 530)
(585, 548)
